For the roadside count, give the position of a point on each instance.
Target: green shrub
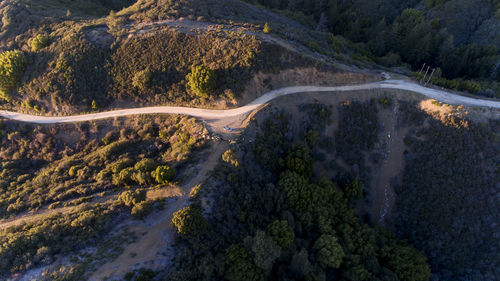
(142, 79)
(130, 198)
(230, 157)
(201, 80)
(12, 66)
(141, 209)
(189, 221)
(145, 165)
(164, 174)
(39, 42)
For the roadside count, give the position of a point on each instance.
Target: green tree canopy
(297, 190)
(264, 250)
(281, 232)
(189, 221)
(12, 66)
(164, 174)
(239, 265)
(142, 79)
(354, 190)
(408, 263)
(231, 157)
(329, 252)
(201, 80)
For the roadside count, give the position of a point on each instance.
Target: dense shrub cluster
(36, 243)
(448, 201)
(54, 164)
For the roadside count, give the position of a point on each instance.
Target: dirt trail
(157, 233)
(46, 212)
(392, 164)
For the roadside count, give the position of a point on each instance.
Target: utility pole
(425, 75)
(430, 76)
(422, 69)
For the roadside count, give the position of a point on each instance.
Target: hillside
(457, 37)
(249, 140)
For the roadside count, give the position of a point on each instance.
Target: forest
(445, 35)
(273, 218)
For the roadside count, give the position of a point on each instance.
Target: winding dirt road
(439, 95)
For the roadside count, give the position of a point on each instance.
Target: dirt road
(157, 233)
(212, 114)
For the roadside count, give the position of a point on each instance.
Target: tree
(266, 28)
(354, 190)
(164, 174)
(299, 160)
(94, 105)
(329, 252)
(141, 209)
(264, 250)
(281, 232)
(201, 80)
(130, 198)
(239, 265)
(230, 157)
(408, 263)
(142, 79)
(297, 190)
(39, 42)
(189, 221)
(300, 264)
(12, 67)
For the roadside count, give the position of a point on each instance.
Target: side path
(439, 95)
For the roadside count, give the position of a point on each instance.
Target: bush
(141, 79)
(201, 80)
(12, 66)
(230, 157)
(189, 221)
(39, 42)
(164, 174)
(141, 209)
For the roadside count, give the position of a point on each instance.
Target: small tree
(142, 79)
(94, 105)
(189, 221)
(266, 28)
(164, 174)
(39, 42)
(201, 80)
(12, 67)
(281, 232)
(354, 190)
(329, 252)
(230, 157)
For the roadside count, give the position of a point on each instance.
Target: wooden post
(430, 76)
(425, 75)
(422, 69)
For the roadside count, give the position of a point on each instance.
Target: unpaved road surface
(157, 233)
(211, 114)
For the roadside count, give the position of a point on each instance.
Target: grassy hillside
(64, 187)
